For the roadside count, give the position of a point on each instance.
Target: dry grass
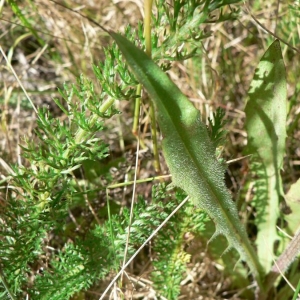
(73, 44)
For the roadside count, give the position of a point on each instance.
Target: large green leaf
(266, 128)
(189, 151)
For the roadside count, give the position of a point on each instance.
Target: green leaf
(189, 152)
(292, 216)
(293, 201)
(266, 128)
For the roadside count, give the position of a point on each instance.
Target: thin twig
(270, 32)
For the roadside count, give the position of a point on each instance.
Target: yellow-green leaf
(266, 128)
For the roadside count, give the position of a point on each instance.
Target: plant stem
(281, 265)
(147, 33)
(81, 133)
(137, 107)
(117, 185)
(147, 27)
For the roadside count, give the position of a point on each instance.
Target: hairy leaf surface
(189, 151)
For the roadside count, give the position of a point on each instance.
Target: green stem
(154, 138)
(137, 107)
(147, 33)
(117, 185)
(81, 133)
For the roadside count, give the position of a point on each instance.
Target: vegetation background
(49, 46)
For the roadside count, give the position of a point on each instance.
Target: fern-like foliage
(36, 228)
(171, 259)
(116, 80)
(41, 193)
(216, 127)
(177, 28)
(80, 264)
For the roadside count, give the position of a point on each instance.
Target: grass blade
(15, 8)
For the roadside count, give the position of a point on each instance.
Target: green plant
(67, 170)
(191, 157)
(189, 151)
